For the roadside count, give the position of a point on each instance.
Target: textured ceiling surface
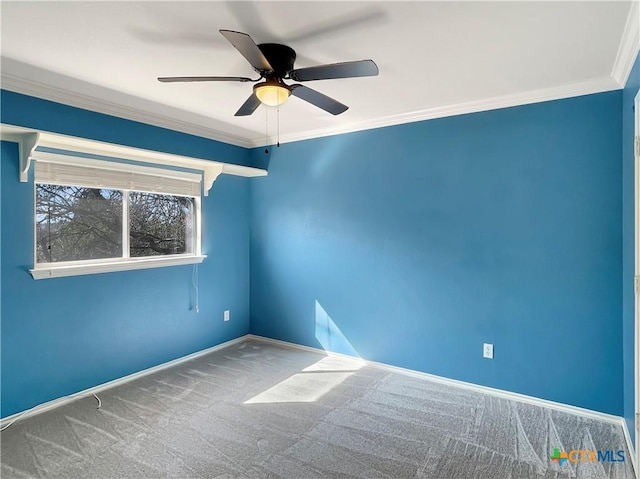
(435, 58)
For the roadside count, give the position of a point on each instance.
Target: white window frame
(124, 263)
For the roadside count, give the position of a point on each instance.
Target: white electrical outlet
(487, 350)
(226, 315)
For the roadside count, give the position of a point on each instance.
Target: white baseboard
(600, 416)
(47, 406)
(462, 384)
(632, 450)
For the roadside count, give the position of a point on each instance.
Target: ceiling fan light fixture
(272, 92)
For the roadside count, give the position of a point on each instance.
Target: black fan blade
(189, 79)
(248, 49)
(249, 106)
(362, 68)
(318, 99)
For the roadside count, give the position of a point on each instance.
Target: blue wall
(63, 335)
(30, 112)
(412, 245)
(628, 240)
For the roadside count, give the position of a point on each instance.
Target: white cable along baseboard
(47, 406)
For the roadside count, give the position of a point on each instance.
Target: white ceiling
(435, 58)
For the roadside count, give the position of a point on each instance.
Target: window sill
(58, 271)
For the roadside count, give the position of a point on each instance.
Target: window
(95, 216)
(75, 223)
(160, 224)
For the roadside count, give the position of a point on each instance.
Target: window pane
(160, 224)
(75, 223)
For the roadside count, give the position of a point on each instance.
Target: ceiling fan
(274, 63)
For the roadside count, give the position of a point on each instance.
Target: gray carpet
(255, 410)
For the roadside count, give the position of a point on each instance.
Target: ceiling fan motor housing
(280, 57)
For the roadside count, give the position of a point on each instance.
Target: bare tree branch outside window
(160, 224)
(74, 223)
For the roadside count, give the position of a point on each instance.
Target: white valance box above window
(30, 140)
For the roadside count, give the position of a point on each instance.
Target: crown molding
(25, 86)
(535, 96)
(629, 46)
(19, 84)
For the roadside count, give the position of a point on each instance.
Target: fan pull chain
(266, 130)
(278, 136)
